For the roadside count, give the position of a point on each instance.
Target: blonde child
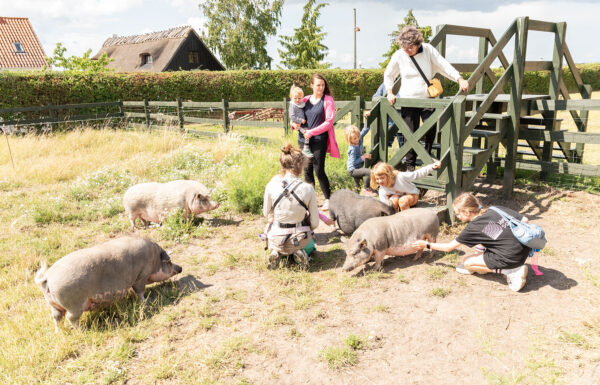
(297, 114)
(356, 158)
(396, 187)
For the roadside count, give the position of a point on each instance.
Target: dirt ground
(421, 322)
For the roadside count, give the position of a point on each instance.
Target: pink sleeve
(329, 106)
(323, 217)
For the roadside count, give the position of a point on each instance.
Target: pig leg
(379, 255)
(139, 287)
(427, 238)
(57, 315)
(73, 318)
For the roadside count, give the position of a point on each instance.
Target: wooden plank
(501, 56)
(421, 103)
(544, 65)
(190, 119)
(493, 54)
(209, 105)
(542, 26)
(566, 105)
(133, 104)
(76, 118)
(23, 109)
(439, 36)
(85, 105)
(134, 114)
(560, 136)
(462, 30)
(253, 105)
(559, 167)
(162, 104)
(574, 70)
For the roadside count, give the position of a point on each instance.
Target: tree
(76, 63)
(305, 48)
(238, 29)
(409, 19)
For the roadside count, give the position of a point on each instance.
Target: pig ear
(164, 256)
(363, 244)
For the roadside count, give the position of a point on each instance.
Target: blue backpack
(530, 235)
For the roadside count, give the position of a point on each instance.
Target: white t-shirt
(404, 183)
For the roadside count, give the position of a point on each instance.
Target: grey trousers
(358, 173)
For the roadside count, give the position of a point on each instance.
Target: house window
(18, 47)
(146, 58)
(194, 57)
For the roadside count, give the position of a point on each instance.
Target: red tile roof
(19, 30)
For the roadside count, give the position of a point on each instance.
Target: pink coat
(327, 125)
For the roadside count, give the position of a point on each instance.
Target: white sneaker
(516, 277)
(463, 270)
(325, 206)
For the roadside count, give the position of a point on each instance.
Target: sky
(83, 24)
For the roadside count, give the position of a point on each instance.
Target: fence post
(357, 116)
(286, 115)
(225, 108)
(52, 116)
(147, 113)
(180, 114)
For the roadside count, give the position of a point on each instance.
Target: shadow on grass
(129, 311)
(215, 222)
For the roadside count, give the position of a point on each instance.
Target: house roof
(19, 30)
(162, 46)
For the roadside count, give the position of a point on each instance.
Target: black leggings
(412, 117)
(318, 146)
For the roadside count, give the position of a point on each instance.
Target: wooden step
(536, 120)
(476, 133)
(541, 146)
(555, 156)
(488, 115)
(430, 183)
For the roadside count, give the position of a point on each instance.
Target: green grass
(440, 292)
(339, 357)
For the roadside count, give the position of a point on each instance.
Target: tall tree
(78, 63)
(305, 49)
(238, 29)
(409, 19)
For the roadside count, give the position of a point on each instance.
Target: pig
(81, 280)
(349, 210)
(391, 235)
(150, 202)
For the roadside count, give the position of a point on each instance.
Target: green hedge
(40, 88)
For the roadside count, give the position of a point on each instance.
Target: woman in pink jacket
(320, 112)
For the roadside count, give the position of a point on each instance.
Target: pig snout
(203, 204)
(167, 270)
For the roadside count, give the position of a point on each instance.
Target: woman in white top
(412, 83)
(290, 206)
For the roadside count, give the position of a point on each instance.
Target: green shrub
(246, 185)
(36, 88)
(339, 357)
(176, 227)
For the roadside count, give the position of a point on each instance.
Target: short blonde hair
(410, 35)
(293, 89)
(380, 169)
(351, 131)
(468, 202)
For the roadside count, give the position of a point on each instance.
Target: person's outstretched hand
(463, 85)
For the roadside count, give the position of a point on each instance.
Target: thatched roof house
(172, 50)
(20, 48)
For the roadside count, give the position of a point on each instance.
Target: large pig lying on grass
(152, 201)
(82, 279)
(391, 235)
(349, 210)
